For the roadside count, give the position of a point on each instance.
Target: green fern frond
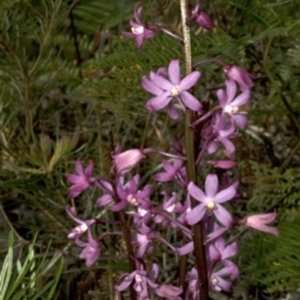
(274, 262)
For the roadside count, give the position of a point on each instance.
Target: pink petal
(196, 193)
(150, 87)
(212, 147)
(163, 177)
(221, 94)
(134, 24)
(104, 200)
(220, 243)
(89, 169)
(225, 195)
(159, 102)
(214, 254)
(168, 167)
(190, 101)
(268, 229)
(119, 206)
(224, 284)
(211, 185)
(137, 14)
(161, 82)
(174, 72)
(230, 250)
(189, 81)
(228, 145)
(189, 247)
(78, 167)
(241, 99)
(74, 178)
(231, 90)
(172, 112)
(148, 34)
(124, 284)
(145, 193)
(128, 34)
(139, 40)
(222, 215)
(196, 214)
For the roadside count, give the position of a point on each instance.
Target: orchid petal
(211, 185)
(189, 81)
(196, 214)
(190, 101)
(174, 72)
(242, 99)
(159, 102)
(196, 193)
(231, 90)
(161, 82)
(223, 215)
(150, 87)
(225, 195)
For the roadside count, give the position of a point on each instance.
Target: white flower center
(138, 278)
(214, 281)
(137, 30)
(171, 208)
(82, 228)
(174, 91)
(132, 200)
(142, 212)
(210, 204)
(231, 109)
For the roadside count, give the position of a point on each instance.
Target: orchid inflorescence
(126, 193)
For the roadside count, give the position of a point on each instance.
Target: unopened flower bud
(126, 161)
(240, 76)
(204, 20)
(223, 164)
(259, 222)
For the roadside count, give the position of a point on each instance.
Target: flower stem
(128, 241)
(130, 253)
(199, 249)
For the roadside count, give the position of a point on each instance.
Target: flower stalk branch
(198, 239)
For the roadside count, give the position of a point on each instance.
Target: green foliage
(275, 187)
(24, 281)
(273, 262)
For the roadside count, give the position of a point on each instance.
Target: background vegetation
(70, 88)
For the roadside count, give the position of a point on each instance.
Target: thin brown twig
(79, 59)
(12, 227)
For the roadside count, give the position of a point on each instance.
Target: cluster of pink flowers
(123, 191)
